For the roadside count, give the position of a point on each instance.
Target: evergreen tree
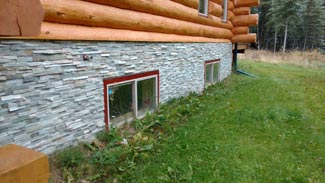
(295, 24)
(312, 21)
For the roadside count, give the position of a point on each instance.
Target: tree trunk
(305, 41)
(258, 38)
(285, 38)
(275, 39)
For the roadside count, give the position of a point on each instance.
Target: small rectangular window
(225, 10)
(146, 98)
(211, 72)
(203, 7)
(130, 97)
(120, 102)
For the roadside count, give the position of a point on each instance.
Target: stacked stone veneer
(51, 98)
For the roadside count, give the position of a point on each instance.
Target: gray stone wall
(51, 98)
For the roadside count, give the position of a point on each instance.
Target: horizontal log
(231, 4)
(167, 9)
(189, 3)
(215, 9)
(245, 20)
(20, 18)
(240, 30)
(242, 11)
(247, 3)
(217, 1)
(230, 15)
(55, 31)
(244, 38)
(84, 13)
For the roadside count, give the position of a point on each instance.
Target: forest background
(291, 25)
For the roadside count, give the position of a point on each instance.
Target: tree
(312, 22)
(295, 24)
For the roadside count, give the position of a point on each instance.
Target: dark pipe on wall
(235, 62)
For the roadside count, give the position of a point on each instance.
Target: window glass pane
(146, 96)
(120, 103)
(208, 79)
(215, 72)
(202, 6)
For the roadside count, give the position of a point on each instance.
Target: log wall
(139, 20)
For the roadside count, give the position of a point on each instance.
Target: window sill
(204, 15)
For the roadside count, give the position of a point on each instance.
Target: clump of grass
(71, 157)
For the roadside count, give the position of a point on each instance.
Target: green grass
(265, 129)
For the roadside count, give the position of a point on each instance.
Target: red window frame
(117, 80)
(207, 63)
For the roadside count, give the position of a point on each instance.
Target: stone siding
(51, 98)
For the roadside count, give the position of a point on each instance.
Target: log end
(24, 19)
(244, 38)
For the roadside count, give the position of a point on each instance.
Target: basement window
(225, 11)
(130, 97)
(203, 7)
(211, 72)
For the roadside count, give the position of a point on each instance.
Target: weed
(70, 157)
(111, 138)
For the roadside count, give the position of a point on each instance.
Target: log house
(64, 64)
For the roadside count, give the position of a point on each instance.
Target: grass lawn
(265, 129)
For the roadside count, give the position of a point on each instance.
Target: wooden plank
(84, 13)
